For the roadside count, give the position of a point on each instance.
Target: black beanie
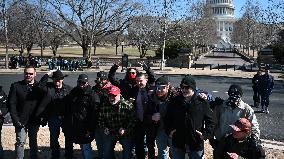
(163, 80)
(188, 80)
(236, 89)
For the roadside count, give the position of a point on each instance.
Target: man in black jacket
(189, 121)
(128, 85)
(81, 117)
(23, 99)
(3, 112)
(54, 104)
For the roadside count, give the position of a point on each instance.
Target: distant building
(222, 12)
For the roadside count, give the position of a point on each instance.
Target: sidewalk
(167, 70)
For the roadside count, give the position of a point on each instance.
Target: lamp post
(164, 38)
(122, 44)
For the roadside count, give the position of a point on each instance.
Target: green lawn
(77, 51)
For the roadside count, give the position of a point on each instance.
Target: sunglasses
(27, 73)
(160, 87)
(133, 73)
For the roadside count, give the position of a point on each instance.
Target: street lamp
(164, 38)
(122, 44)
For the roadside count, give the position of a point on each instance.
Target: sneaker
(262, 110)
(266, 111)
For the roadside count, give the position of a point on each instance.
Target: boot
(262, 109)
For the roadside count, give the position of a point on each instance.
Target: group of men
(263, 84)
(139, 111)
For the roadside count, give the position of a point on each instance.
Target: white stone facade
(222, 12)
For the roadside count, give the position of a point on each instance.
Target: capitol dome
(222, 12)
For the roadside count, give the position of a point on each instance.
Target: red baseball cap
(114, 90)
(242, 124)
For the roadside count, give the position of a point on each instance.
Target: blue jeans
(99, 132)
(109, 144)
(162, 141)
(87, 151)
(54, 124)
(21, 136)
(177, 153)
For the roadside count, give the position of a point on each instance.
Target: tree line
(148, 24)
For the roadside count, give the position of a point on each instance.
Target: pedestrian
(23, 100)
(101, 89)
(266, 86)
(240, 143)
(117, 117)
(255, 86)
(54, 111)
(3, 112)
(154, 116)
(140, 103)
(189, 121)
(229, 111)
(81, 119)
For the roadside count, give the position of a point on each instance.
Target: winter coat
(53, 102)
(80, 119)
(226, 115)
(266, 84)
(186, 118)
(23, 101)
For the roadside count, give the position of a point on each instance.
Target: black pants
(142, 130)
(256, 97)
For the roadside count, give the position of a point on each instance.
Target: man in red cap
(117, 118)
(240, 143)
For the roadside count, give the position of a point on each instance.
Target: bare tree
(249, 29)
(145, 31)
(22, 26)
(84, 19)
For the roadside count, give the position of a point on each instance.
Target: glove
(145, 67)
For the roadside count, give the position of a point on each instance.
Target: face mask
(233, 100)
(132, 76)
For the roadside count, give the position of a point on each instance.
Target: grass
(78, 52)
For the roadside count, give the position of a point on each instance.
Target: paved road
(271, 125)
(221, 58)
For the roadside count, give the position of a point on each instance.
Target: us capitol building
(222, 12)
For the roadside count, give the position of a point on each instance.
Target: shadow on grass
(45, 153)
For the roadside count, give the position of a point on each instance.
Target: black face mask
(234, 99)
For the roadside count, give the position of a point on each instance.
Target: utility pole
(164, 38)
